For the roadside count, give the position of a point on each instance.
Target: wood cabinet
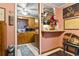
(31, 22)
(21, 38)
(2, 32)
(31, 36)
(37, 40)
(26, 37)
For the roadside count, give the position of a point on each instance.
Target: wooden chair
(71, 40)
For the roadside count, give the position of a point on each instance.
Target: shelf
(50, 31)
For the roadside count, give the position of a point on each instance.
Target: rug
(25, 51)
(59, 53)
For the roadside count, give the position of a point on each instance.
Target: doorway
(28, 30)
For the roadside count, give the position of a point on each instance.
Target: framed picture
(11, 20)
(71, 17)
(47, 14)
(71, 11)
(2, 14)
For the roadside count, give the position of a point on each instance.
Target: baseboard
(67, 52)
(55, 50)
(50, 52)
(21, 44)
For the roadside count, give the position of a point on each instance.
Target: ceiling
(60, 5)
(31, 9)
(27, 9)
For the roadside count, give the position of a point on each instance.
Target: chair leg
(76, 51)
(64, 49)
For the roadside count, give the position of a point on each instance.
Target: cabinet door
(0, 39)
(31, 22)
(37, 40)
(26, 37)
(31, 36)
(20, 38)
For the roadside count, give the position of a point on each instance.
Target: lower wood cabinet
(37, 40)
(26, 37)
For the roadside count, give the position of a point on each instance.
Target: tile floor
(33, 51)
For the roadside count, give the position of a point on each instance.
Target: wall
(59, 16)
(52, 40)
(76, 32)
(10, 29)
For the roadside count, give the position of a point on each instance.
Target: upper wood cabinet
(31, 22)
